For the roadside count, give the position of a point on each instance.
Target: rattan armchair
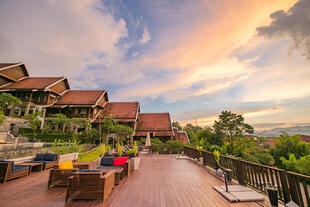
(90, 185)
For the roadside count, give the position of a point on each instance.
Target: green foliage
(297, 165)
(231, 125)
(62, 147)
(33, 120)
(191, 136)
(174, 146)
(7, 99)
(245, 145)
(177, 125)
(93, 155)
(119, 149)
(122, 131)
(92, 135)
(107, 127)
(286, 145)
(264, 158)
(251, 158)
(216, 155)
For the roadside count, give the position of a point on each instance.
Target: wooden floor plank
(161, 180)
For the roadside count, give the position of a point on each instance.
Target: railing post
(240, 172)
(284, 185)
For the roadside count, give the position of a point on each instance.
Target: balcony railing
(290, 185)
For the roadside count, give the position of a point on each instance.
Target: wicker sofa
(90, 185)
(107, 163)
(9, 171)
(49, 160)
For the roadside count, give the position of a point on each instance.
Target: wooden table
(119, 173)
(33, 167)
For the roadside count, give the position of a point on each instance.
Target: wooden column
(28, 104)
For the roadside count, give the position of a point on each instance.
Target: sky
(193, 59)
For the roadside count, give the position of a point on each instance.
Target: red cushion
(120, 161)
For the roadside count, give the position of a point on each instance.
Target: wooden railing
(290, 185)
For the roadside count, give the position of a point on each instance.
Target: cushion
(107, 161)
(39, 157)
(20, 168)
(89, 171)
(13, 166)
(120, 161)
(44, 162)
(66, 165)
(50, 157)
(111, 167)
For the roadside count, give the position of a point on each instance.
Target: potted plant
(136, 159)
(200, 148)
(272, 194)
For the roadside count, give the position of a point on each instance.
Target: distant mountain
(304, 130)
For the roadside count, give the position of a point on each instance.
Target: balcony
(161, 180)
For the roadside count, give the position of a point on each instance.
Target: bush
(265, 158)
(61, 147)
(250, 157)
(174, 146)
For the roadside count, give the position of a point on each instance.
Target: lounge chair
(49, 160)
(9, 171)
(91, 184)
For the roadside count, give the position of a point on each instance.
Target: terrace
(161, 180)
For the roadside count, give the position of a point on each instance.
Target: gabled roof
(122, 111)
(180, 136)
(80, 97)
(159, 123)
(4, 66)
(32, 83)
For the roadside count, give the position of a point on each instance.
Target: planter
(68, 157)
(273, 196)
(136, 163)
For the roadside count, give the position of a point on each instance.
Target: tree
(177, 125)
(286, 145)
(59, 121)
(122, 132)
(80, 122)
(92, 135)
(108, 125)
(7, 99)
(231, 125)
(33, 121)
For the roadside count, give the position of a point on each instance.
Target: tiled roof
(180, 136)
(159, 123)
(80, 97)
(269, 142)
(305, 138)
(33, 83)
(122, 111)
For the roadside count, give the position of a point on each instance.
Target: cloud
(294, 23)
(60, 37)
(145, 36)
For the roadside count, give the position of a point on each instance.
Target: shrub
(62, 147)
(216, 154)
(250, 157)
(174, 146)
(264, 158)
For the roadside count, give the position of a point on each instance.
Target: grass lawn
(93, 155)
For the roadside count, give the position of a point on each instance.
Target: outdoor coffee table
(33, 167)
(119, 173)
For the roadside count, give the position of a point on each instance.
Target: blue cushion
(111, 167)
(39, 157)
(20, 168)
(50, 157)
(107, 161)
(13, 166)
(89, 171)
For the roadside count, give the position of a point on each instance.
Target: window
(83, 112)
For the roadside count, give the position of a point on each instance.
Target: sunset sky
(192, 58)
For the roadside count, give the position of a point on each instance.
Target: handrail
(290, 185)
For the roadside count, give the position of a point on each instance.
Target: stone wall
(12, 125)
(23, 153)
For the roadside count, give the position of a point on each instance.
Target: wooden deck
(161, 181)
